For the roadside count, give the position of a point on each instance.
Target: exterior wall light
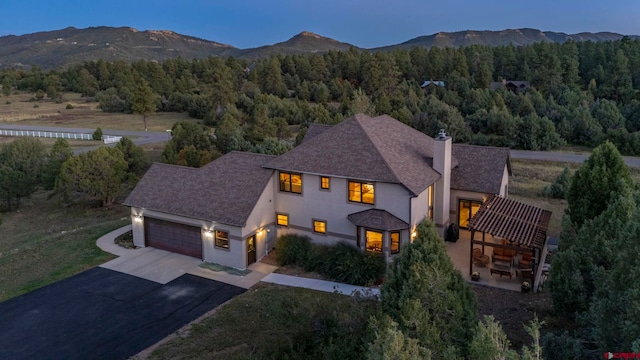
(208, 233)
(414, 234)
(137, 218)
(260, 232)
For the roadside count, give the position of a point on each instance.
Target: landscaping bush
(341, 262)
(293, 249)
(69, 107)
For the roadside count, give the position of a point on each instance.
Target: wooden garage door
(174, 237)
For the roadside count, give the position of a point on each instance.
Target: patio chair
(525, 261)
(479, 259)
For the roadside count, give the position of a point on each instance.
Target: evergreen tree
(60, 152)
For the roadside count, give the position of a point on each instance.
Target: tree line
(582, 93)
(99, 176)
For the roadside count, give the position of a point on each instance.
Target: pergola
(523, 226)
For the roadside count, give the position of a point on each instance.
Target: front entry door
(251, 250)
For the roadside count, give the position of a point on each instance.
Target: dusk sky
(364, 23)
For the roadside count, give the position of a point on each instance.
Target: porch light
(208, 233)
(414, 234)
(137, 218)
(260, 232)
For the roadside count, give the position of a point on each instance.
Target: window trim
(328, 188)
(361, 183)
(278, 220)
(216, 238)
(282, 183)
(313, 223)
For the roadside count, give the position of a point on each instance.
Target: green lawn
(273, 322)
(45, 241)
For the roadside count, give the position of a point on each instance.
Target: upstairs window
(325, 182)
(361, 192)
(291, 182)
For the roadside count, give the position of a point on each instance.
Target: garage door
(174, 237)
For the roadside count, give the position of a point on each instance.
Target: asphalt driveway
(103, 314)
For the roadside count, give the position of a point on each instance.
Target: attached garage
(174, 237)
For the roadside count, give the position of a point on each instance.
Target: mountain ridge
(56, 48)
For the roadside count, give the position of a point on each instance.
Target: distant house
(515, 86)
(428, 83)
(367, 181)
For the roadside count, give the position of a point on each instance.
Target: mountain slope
(497, 38)
(305, 42)
(52, 49)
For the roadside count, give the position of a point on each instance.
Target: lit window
(282, 219)
(395, 242)
(324, 183)
(320, 226)
(361, 192)
(222, 239)
(291, 182)
(374, 241)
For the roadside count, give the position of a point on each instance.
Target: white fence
(46, 134)
(107, 139)
(111, 139)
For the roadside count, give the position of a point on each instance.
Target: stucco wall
(235, 256)
(504, 184)
(333, 207)
(419, 208)
(262, 217)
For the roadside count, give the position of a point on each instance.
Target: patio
(509, 245)
(459, 253)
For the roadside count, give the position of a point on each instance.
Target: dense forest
(581, 93)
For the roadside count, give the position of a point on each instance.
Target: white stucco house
(367, 181)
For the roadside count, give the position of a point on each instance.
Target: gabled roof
(480, 168)
(374, 149)
(377, 219)
(225, 190)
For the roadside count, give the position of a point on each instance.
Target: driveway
(103, 314)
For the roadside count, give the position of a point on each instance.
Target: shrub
(560, 186)
(293, 249)
(562, 346)
(341, 262)
(97, 135)
(69, 107)
(36, 105)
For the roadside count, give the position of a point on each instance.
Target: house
(427, 83)
(367, 181)
(514, 86)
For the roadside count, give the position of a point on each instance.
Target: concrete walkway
(163, 266)
(320, 285)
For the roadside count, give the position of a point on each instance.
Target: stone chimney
(442, 164)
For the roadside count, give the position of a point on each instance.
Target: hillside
(498, 38)
(305, 42)
(53, 49)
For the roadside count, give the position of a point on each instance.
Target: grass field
(277, 319)
(18, 109)
(48, 143)
(44, 242)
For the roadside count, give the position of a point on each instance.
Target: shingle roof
(375, 149)
(480, 168)
(377, 219)
(225, 190)
(512, 220)
(313, 130)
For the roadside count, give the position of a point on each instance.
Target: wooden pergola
(523, 226)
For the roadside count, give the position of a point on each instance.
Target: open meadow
(21, 109)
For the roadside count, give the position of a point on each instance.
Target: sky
(364, 23)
